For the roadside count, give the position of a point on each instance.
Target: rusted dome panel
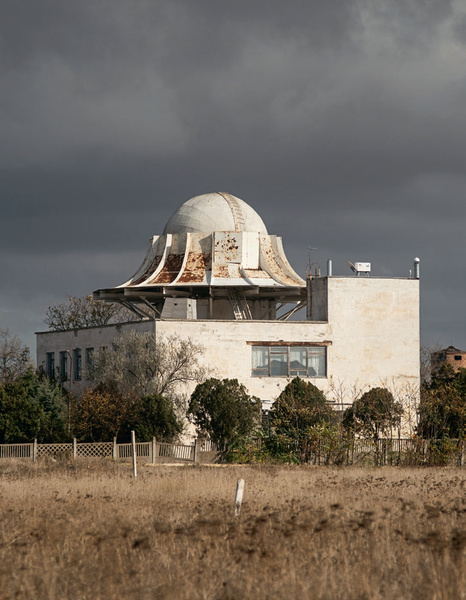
(274, 261)
(151, 262)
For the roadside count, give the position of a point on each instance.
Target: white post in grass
(239, 496)
(154, 449)
(75, 448)
(133, 448)
(34, 450)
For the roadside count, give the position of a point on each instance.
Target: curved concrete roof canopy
(213, 244)
(216, 211)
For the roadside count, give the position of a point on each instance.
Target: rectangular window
(289, 361)
(260, 361)
(278, 361)
(316, 357)
(298, 361)
(64, 365)
(50, 364)
(458, 357)
(89, 360)
(77, 364)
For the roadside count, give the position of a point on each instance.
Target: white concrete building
(216, 275)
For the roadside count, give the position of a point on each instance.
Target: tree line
(139, 384)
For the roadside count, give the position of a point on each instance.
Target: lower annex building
(215, 275)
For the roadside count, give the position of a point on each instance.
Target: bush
(224, 411)
(154, 416)
(32, 407)
(374, 414)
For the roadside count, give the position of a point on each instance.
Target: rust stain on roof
(149, 270)
(170, 270)
(256, 274)
(277, 269)
(196, 266)
(221, 271)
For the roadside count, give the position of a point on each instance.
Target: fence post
(154, 449)
(34, 450)
(114, 450)
(133, 448)
(75, 448)
(196, 451)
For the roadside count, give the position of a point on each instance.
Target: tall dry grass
(89, 531)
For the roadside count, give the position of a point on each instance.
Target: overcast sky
(342, 123)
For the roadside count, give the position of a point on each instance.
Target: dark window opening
(64, 365)
(50, 364)
(77, 364)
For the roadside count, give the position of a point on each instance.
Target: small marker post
(239, 496)
(133, 449)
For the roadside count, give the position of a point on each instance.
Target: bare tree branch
(85, 312)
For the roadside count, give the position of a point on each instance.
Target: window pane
(298, 362)
(260, 361)
(278, 361)
(317, 361)
(64, 366)
(50, 364)
(77, 363)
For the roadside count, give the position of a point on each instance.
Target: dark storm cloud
(342, 123)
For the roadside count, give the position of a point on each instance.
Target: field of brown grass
(87, 530)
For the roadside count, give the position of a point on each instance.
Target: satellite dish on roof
(352, 267)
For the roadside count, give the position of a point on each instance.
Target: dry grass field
(87, 530)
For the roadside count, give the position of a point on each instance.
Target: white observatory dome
(214, 212)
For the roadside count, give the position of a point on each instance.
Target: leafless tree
(426, 361)
(85, 312)
(140, 365)
(14, 357)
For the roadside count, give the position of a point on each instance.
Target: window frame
(64, 376)
(279, 349)
(50, 364)
(77, 364)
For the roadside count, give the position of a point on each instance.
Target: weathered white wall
(228, 354)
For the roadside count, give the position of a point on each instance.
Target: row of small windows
(289, 361)
(70, 364)
(267, 361)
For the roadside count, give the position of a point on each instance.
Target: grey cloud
(342, 124)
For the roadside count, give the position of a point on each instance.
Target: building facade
(216, 276)
(448, 356)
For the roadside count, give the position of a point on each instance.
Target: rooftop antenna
(309, 264)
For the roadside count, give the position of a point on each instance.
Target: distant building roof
(450, 350)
